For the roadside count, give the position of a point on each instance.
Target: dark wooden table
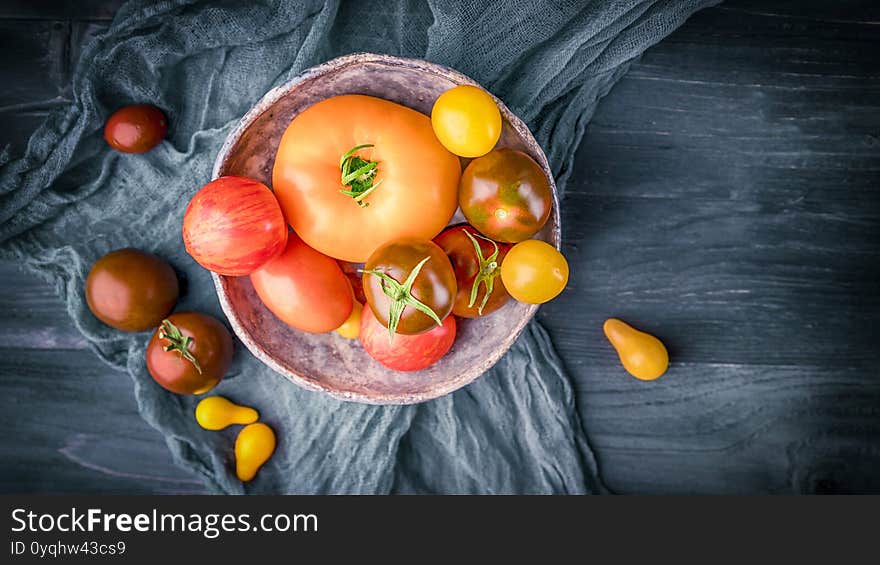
(725, 198)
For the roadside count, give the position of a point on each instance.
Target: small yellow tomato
(351, 328)
(642, 355)
(534, 272)
(253, 447)
(466, 120)
(216, 413)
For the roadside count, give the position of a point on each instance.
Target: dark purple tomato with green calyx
(409, 285)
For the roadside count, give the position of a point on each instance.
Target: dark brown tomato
(434, 285)
(200, 353)
(468, 266)
(136, 128)
(131, 290)
(505, 195)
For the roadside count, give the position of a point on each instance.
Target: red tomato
(189, 353)
(405, 352)
(233, 226)
(304, 288)
(136, 129)
(480, 289)
(505, 194)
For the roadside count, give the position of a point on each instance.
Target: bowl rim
(263, 105)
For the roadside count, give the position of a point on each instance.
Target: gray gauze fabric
(71, 199)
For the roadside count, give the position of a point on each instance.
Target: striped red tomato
(233, 226)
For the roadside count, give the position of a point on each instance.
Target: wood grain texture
(72, 426)
(33, 316)
(724, 198)
(33, 69)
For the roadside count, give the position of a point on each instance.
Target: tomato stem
(488, 271)
(358, 174)
(178, 342)
(401, 297)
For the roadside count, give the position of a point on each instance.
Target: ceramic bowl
(330, 363)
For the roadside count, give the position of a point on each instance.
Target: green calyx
(177, 342)
(401, 297)
(358, 174)
(489, 269)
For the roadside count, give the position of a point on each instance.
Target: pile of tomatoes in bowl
(354, 236)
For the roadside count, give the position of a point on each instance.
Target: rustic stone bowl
(328, 362)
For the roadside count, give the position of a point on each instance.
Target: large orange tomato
(400, 181)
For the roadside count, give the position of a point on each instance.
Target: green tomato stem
(488, 271)
(178, 342)
(401, 297)
(358, 174)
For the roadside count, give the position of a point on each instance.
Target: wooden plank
(734, 429)
(34, 68)
(863, 12)
(744, 114)
(721, 281)
(724, 198)
(737, 210)
(71, 425)
(33, 315)
(34, 63)
(727, 200)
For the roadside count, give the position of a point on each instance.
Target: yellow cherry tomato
(351, 328)
(253, 447)
(216, 413)
(534, 272)
(643, 355)
(467, 121)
